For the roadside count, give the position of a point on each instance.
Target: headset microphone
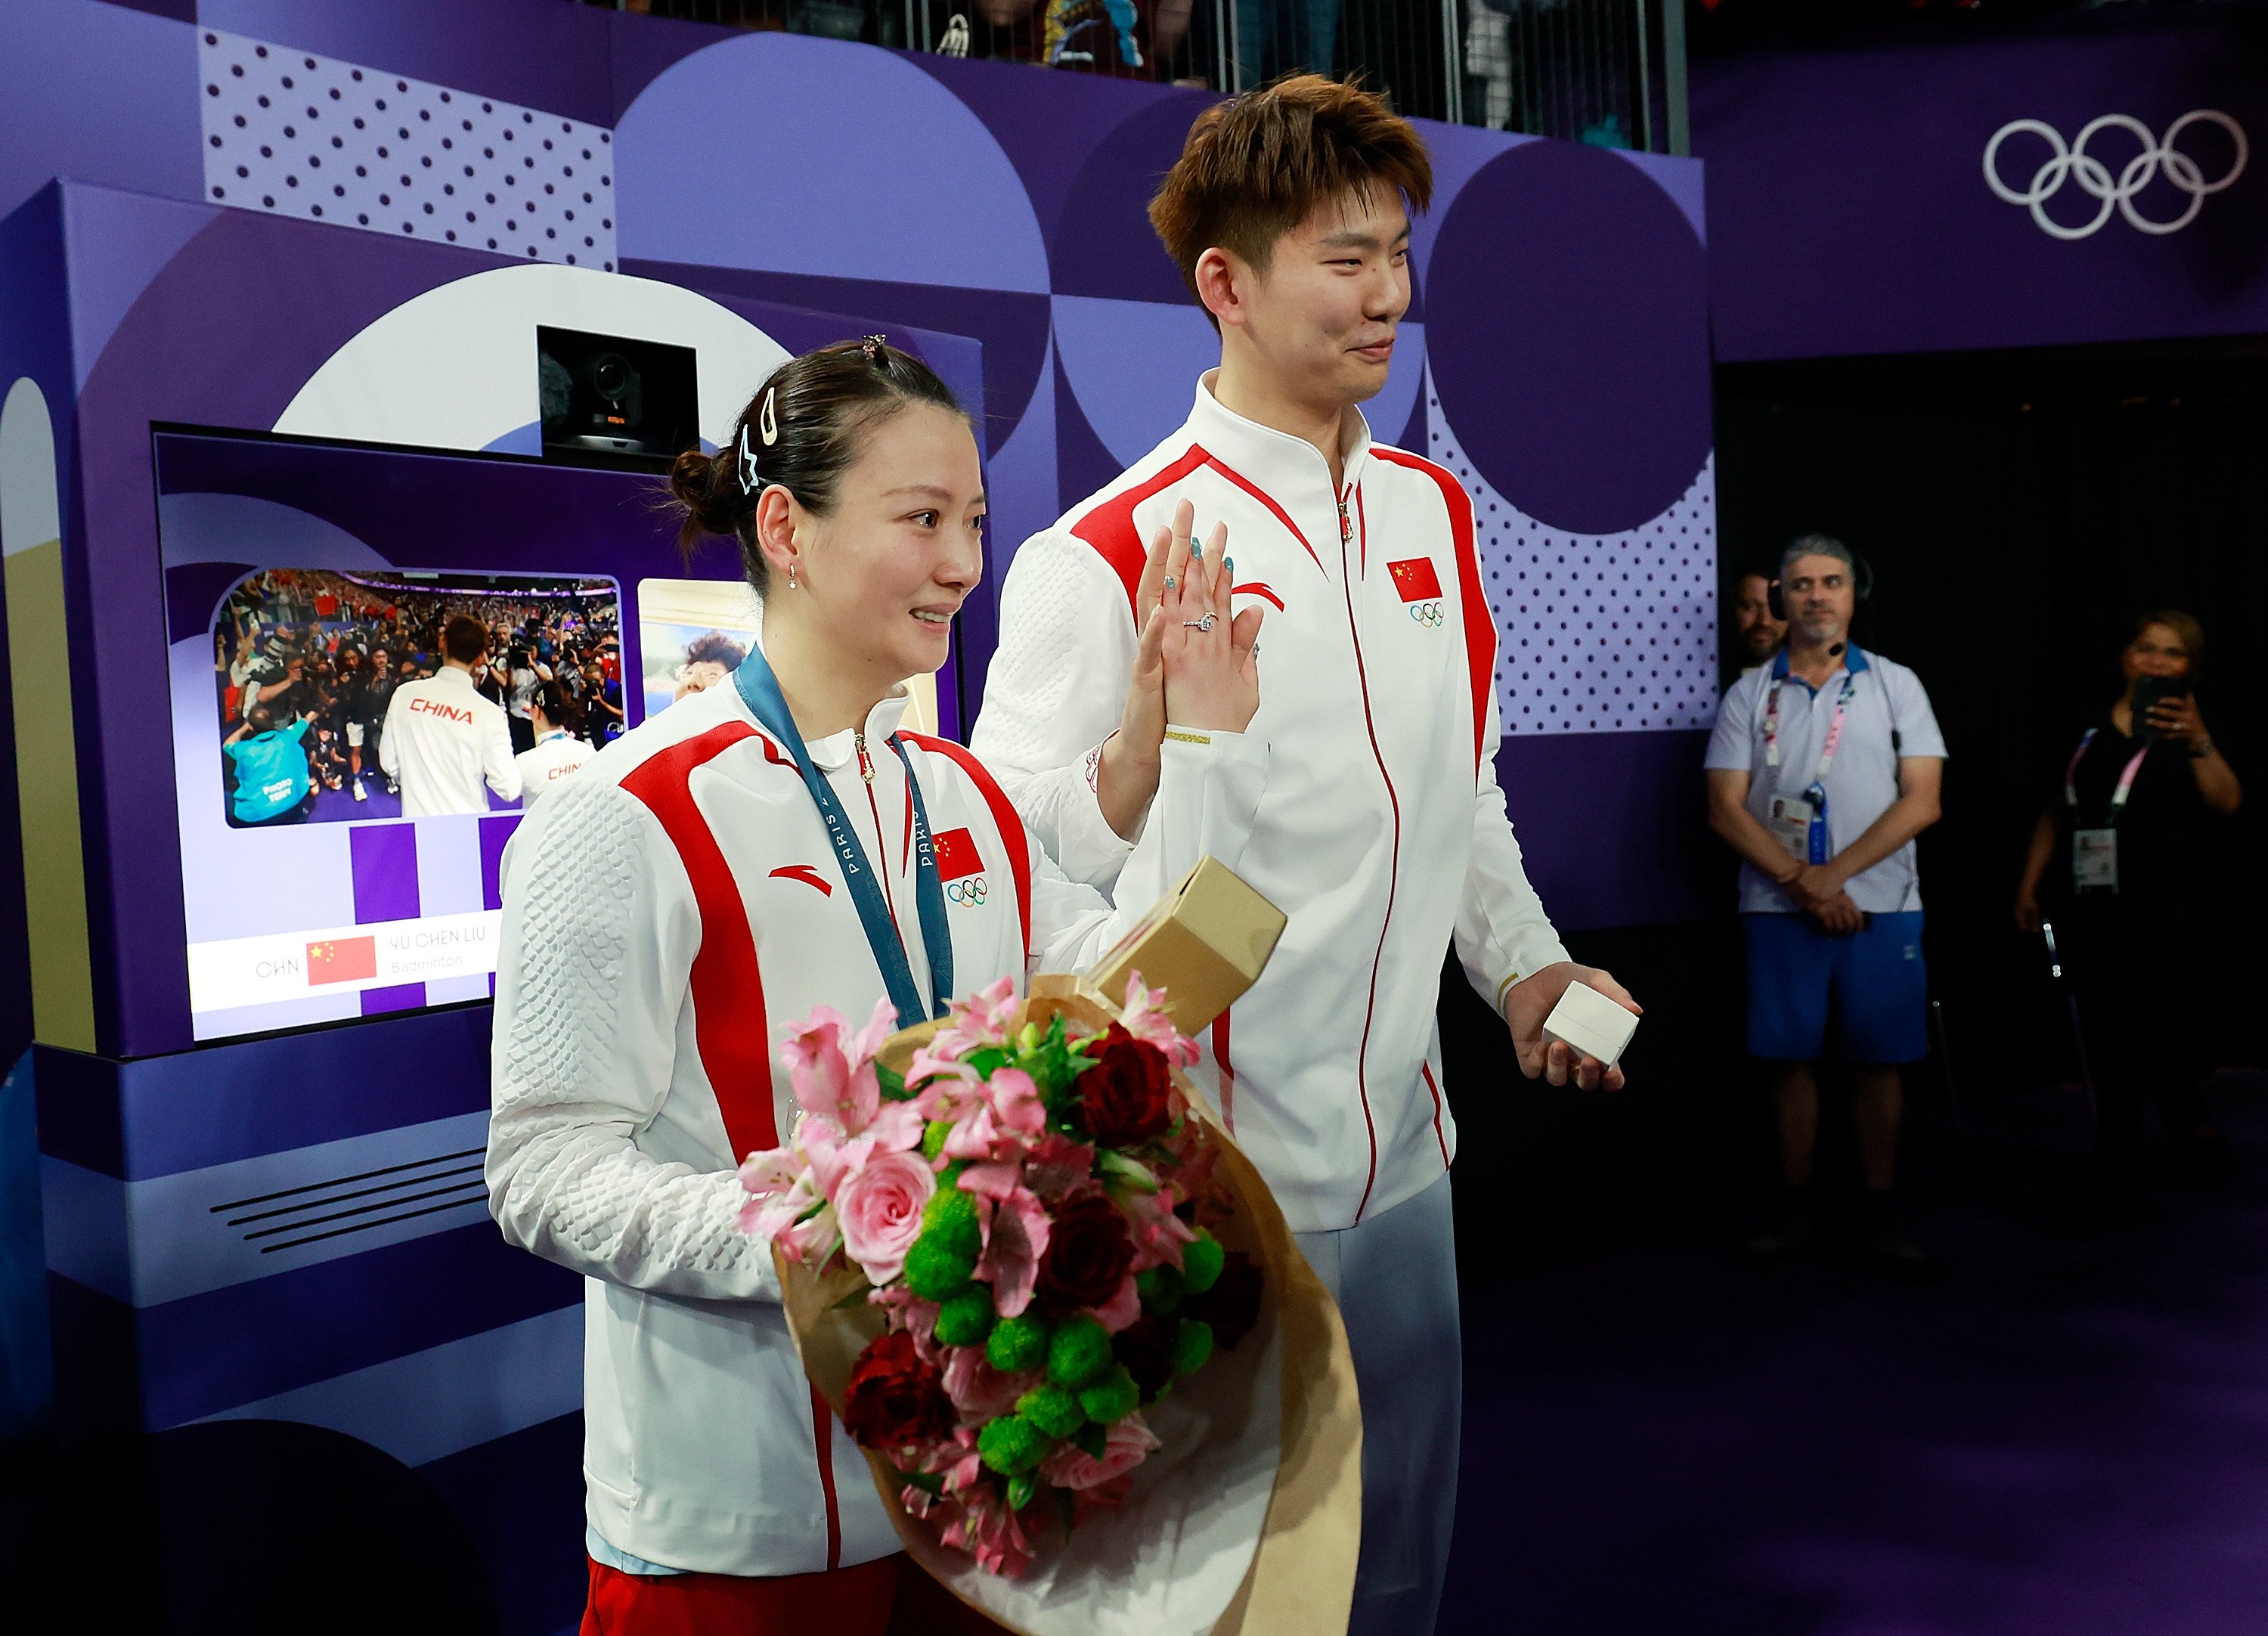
(1836, 651)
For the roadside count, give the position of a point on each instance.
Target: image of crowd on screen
(306, 661)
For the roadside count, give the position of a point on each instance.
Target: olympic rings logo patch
(1427, 614)
(966, 893)
(2073, 163)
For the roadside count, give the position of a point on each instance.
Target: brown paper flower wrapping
(1246, 1521)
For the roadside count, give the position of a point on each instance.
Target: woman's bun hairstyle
(800, 432)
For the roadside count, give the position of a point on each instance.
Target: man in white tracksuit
(443, 740)
(1382, 833)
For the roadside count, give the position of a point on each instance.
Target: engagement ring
(1199, 624)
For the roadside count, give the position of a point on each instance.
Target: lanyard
(1834, 727)
(2118, 795)
(760, 690)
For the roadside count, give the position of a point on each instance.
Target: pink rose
(1128, 1445)
(879, 1206)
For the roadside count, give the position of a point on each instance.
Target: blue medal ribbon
(760, 691)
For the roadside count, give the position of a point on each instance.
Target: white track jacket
(443, 740)
(1381, 833)
(668, 912)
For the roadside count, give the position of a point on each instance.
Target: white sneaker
(361, 794)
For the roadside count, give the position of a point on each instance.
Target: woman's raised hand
(1202, 673)
(1210, 655)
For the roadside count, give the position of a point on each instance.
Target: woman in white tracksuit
(745, 856)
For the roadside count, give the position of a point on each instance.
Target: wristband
(2200, 750)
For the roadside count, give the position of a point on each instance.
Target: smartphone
(2148, 690)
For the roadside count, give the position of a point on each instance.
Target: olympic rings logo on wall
(2074, 163)
(1427, 614)
(967, 892)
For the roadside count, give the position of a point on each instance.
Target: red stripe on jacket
(729, 1025)
(1004, 819)
(1110, 527)
(1480, 624)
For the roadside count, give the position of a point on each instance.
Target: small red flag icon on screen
(957, 855)
(342, 959)
(1415, 578)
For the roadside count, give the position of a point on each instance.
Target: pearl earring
(790, 575)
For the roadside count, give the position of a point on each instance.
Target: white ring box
(1591, 1023)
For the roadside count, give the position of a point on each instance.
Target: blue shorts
(1874, 979)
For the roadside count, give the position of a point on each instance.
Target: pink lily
(1014, 1239)
(833, 1070)
(1130, 1442)
(978, 1390)
(908, 1311)
(1122, 1309)
(1056, 1164)
(1145, 1018)
(1158, 1233)
(983, 1019)
(1016, 1101)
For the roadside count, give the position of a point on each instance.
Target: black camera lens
(610, 374)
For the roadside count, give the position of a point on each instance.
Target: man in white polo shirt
(442, 739)
(1825, 765)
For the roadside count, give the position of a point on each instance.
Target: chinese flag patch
(957, 855)
(342, 959)
(1415, 578)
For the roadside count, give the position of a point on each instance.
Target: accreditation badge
(1789, 820)
(2095, 860)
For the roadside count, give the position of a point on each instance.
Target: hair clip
(874, 345)
(750, 481)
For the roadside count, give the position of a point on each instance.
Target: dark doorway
(2020, 510)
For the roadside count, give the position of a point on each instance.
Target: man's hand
(1528, 1002)
(1817, 889)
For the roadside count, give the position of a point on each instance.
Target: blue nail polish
(1228, 566)
(1197, 550)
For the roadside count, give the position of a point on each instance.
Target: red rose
(896, 1395)
(1232, 1306)
(1088, 1253)
(1127, 1096)
(1146, 1348)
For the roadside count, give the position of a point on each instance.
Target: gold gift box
(1204, 943)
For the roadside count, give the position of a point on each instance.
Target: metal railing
(1611, 72)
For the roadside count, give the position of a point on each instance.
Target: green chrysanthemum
(1161, 1289)
(1018, 1344)
(1079, 1352)
(1192, 1346)
(1201, 1263)
(967, 1318)
(1054, 1409)
(1111, 1398)
(1012, 1444)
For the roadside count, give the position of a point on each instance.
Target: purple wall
(1850, 213)
(1561, 366)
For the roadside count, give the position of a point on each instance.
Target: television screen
(379, 657)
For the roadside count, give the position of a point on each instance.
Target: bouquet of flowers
(1033, 1208)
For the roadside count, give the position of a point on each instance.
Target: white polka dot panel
(355, 146)
(1612, 633)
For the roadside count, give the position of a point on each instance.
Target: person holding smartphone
(2122, 862)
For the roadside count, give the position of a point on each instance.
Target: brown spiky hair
(1255, 166)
